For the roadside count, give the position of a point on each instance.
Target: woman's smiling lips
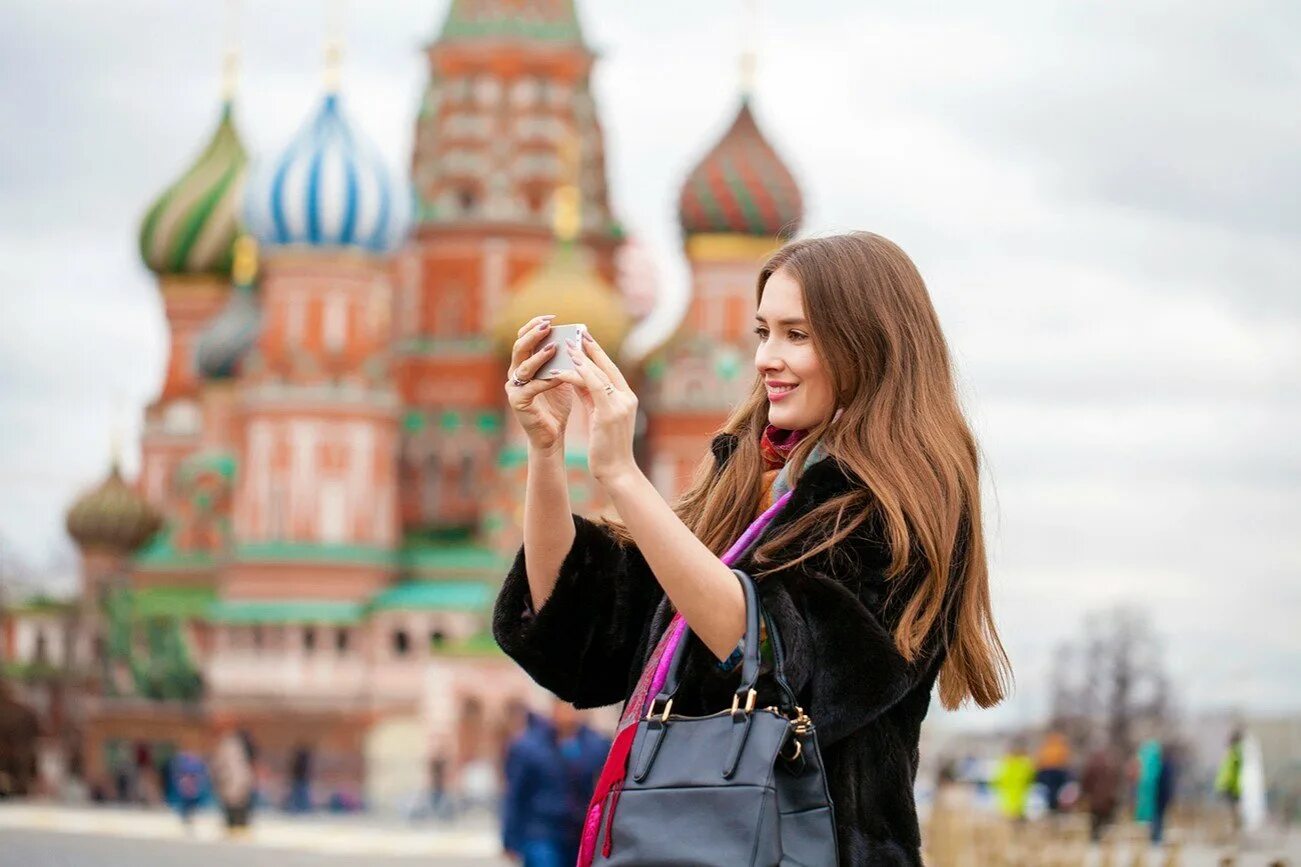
(778, 392)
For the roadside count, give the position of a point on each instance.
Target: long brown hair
(902, 434)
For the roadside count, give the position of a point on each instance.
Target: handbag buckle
(664, 716)
(749, 702)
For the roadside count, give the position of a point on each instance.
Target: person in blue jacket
(551, 770)
(190, 784)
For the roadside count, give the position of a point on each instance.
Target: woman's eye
(794, 335)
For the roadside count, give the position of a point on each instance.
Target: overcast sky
(1105, 200)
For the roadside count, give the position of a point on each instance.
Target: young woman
(873, 568)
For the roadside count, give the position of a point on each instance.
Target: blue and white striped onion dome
(330, 188)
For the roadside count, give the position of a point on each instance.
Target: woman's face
(785, 356)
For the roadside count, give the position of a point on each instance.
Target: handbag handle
(749, 658)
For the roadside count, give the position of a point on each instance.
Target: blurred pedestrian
(19, 728)
(300, 780)
(1149, 776)
(1166, 781)
(1100, 784)
(1228, 780)
(233, 771)
(143, 777)
(439, 800)
(189, 785)
(1013, 777)
(551, 771)
(1054, 768)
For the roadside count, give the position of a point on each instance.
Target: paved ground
(49, 834)
(43, 835)
(59, 849)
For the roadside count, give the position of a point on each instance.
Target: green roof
(449, 550)
(250, 611)
(223, 463)
(315, 552)
(187, 603)
(42, 604)
(462, 557)
(514, 455)
(161, 555)
(438, 595)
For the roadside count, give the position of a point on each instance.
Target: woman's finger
(593, 380)
(580, 385)
(528, 340)
(529, 367)
(533, 323)
(532, 387)
(604, 362)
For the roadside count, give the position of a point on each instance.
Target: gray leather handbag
(738, 787)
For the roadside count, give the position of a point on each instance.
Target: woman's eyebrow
(786, 321)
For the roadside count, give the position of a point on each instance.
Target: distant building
(331, 485)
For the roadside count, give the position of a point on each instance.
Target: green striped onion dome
(741, 187)
(191, 227)
(112, 516)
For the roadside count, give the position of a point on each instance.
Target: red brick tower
(509, 84)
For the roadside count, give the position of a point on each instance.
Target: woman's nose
(767, 362)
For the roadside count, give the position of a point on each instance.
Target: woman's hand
(541, 405)
(611, 410)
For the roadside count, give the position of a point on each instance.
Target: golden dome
(569, 286)
(112, 515)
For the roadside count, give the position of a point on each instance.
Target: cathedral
(331, 483)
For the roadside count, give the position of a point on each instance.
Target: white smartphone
(560, 359)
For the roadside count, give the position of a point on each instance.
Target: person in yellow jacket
(1228, 780)
(1013, 777)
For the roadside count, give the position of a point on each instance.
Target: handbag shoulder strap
(750, 653)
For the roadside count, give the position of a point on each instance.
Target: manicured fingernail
(543, 326)
(569, 341)
(588, 337)
(553, 372)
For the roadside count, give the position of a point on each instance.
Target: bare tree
(1110, 684)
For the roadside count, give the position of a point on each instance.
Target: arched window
(467, 199)
(467, 480)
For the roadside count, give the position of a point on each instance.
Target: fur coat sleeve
(585, 642)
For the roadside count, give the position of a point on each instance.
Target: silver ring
(609, 388)
(516, 381)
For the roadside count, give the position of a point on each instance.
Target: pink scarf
(649, 685)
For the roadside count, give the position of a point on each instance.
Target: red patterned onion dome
(112, 516)
(741, 187)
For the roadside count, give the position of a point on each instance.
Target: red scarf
(777, 444)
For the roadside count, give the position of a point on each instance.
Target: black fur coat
(589, 642)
